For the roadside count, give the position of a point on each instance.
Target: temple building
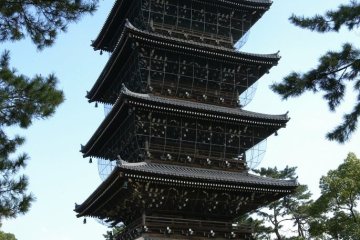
(177, 132)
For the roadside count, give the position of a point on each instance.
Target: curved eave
(115, 18)
(113, 179)
(181, 175)
(185, 107)
(109, 119)
(213, 177)
(110, 22)
(269, 59)
(130, 31)
(92, 94)
(203, 109)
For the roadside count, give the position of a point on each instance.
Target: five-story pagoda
(177, 130)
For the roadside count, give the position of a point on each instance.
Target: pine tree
(288, 211)
(21, 100)
(24, 99)
(41, 20)
(335, 71)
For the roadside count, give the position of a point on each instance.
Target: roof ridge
(230, 50)
(205, 173)
(199, 105)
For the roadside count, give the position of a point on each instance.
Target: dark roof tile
(202, 106)
(208, 175)
(270, 59)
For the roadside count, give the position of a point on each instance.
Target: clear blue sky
(59, 176)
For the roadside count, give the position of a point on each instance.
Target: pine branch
(24, 99)
(41, 20)
(346, 15)
(343, 132)
(330, 77)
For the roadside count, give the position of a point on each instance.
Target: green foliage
(334, 71)
(24, 99)
(7, 236)
(288, 210)
(21, 100)
(260, 230)
(110, 235)
(335, 213)
(14, 198)
(347, 15)
(42, 20)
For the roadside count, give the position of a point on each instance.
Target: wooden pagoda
(176, 129)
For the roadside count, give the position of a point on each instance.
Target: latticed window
(196, 20)
(191, 77)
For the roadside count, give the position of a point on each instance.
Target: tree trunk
(300, 229)
(276, 226)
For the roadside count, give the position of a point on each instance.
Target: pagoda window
(214, 75)
(171, 67)
(197, 26)
(183, 22)
(143, 127)
(156, 76)
(233, 140)
(223, 31)
(157, 65)
(198, 15)
(211, 18)
(200, 84)
(224, 19)
(159, 137)
(156, 18)
(218, 138)
(195, 21)
(171, 9)
(183, 76)
(173, 132)
(184, 12)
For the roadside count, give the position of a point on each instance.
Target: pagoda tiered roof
(208, 110)
(258, 64)
(123, 9)
(214, 178)
(177, 139)
(128, 101)
(126, 181)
